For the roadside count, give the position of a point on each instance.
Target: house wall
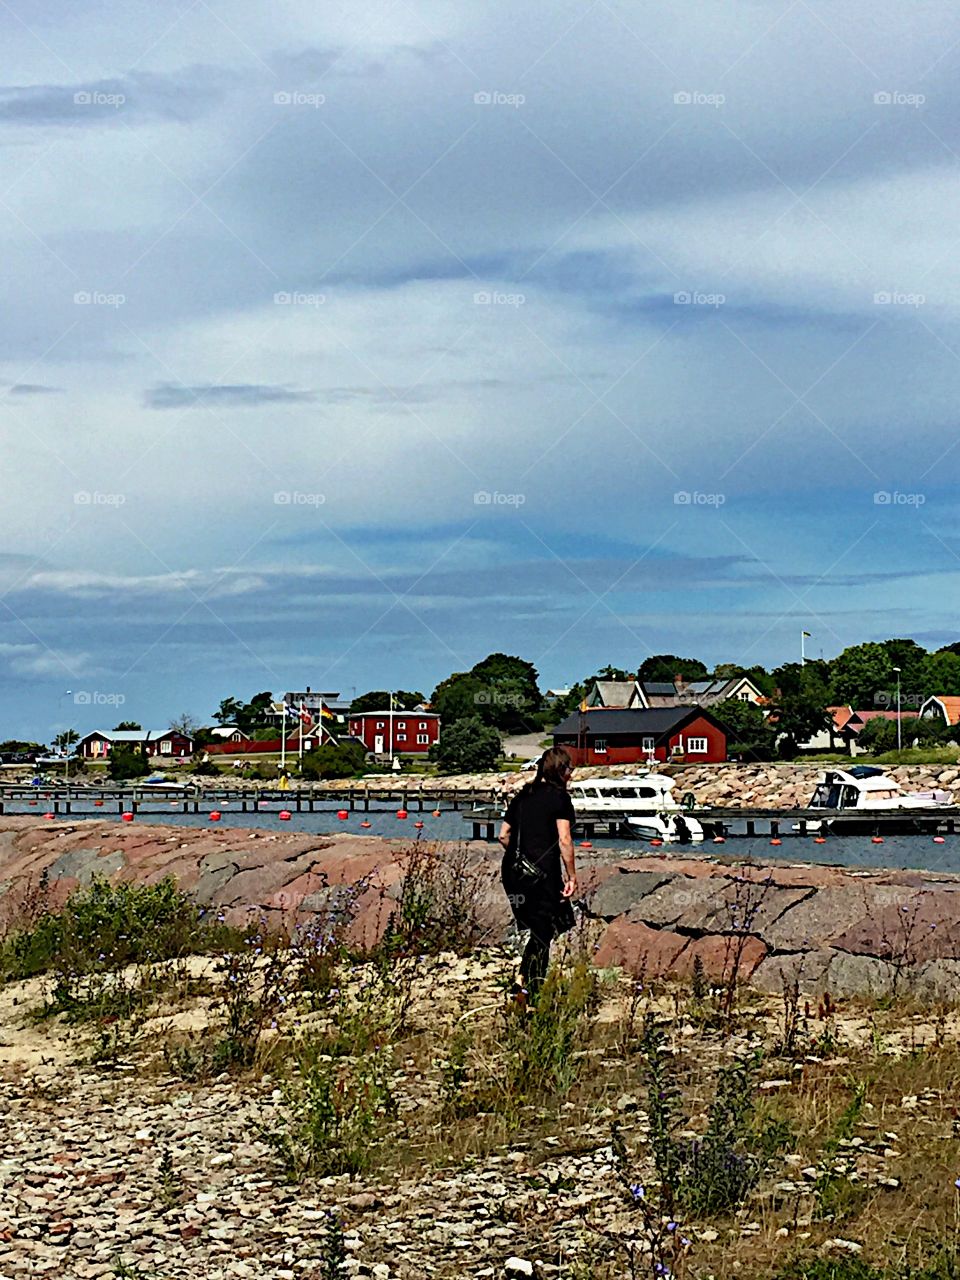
(406, 730)
(628, 748)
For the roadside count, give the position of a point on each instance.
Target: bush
(128, 762)
(467, 746)
(345, 760)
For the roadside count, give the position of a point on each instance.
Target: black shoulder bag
(522, 869)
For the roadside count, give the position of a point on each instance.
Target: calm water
(853, 851)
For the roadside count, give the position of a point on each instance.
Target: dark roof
(660, 688)
(654, 720)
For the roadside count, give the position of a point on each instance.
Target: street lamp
(899, 732)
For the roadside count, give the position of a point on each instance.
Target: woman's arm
(565, 837)
(504, 836)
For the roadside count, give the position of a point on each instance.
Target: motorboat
(857, 795)
(643, 803)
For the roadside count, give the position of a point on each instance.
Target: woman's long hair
(554, 767)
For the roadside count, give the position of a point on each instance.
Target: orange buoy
(366, 824)
(284, 815)
(585, 844)
(214, 815)
(776, 840)
(401, 813)
(48, 815)
(98, 803)
(436, 813)
(819, 839)
(127, 817)
(418, 825)
(342, 815)
(32, 802)
(938, 839)
(877, 840)
(656, 843)
(719, 840)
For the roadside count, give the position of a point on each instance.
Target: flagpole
(300, 756)
(802, 647)
(283, 736)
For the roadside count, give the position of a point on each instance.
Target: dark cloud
(141, 97)
(170, 395)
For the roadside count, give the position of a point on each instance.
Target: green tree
(749, 734)
(502, 691)
(228, 711)
(468, 746)
(941, 674)
(802, 713)
(127, 726)
(66, 739)
(331, 760)
(909, 657)
(665, 667)
(379, 700)
(861, 675)
(128, 762)
(790, 677)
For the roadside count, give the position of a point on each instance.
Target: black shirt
(532, 815)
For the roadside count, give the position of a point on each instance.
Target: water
(897, 851)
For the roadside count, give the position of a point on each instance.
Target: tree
(878, 735)
(501, 691)
(802, 713)
(759, 675)
(185, 723)
(665, 667)
(66, 739)
(909, 657)
(789, 678)
(749, 734)
(940, 675)
(228, 711)
(128, 762)
(862, 675)
(379, 700)
(468, 746)
(128, 726)
(334, 761)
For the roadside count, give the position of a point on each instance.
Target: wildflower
(672, 1226)
(956, 1183)
(637, 1191)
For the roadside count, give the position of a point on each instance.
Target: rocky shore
(847, 931)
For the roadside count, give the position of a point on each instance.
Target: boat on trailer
(854, 798)
(641, 805)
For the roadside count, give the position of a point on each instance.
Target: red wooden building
(169, 743)
(412, 732)
(602, 735)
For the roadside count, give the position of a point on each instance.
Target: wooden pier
(320, 796)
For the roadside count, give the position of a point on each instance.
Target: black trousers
(536, 955)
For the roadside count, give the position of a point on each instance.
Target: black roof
(652, 720)
(660, 688)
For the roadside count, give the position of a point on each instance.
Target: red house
(411, 732)
(169, 743)
(602, 735)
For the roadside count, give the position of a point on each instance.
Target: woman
(537, 831)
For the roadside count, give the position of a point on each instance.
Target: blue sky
(342, 346)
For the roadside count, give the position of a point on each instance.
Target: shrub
(128, 762)
(441, 905)
(467, 746)
(331, 760)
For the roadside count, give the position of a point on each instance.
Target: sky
(342, 345)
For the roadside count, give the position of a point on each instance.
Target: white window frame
(166, 747)
(648, 743)
(381, 724)
(600, 746)
(423, 739)
(423, 724)
(401, 737)
(694, 749)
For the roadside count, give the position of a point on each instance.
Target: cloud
(169, 395)
(29, 389)
(141, 97)
(37, 660)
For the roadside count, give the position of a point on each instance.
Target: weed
(441, 903)
(836, 1196)
(333, 1249)
(699, 987)
(169, 1185)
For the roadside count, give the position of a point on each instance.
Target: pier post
(751, 827)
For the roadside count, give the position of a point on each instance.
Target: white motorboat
(855, 796)
(644, 803)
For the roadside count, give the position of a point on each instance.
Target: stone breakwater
(847, 932)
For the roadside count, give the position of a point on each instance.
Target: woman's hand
(570, 885)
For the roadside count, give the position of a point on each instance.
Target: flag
(305, 717)
(583, 705)
(807, 634)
